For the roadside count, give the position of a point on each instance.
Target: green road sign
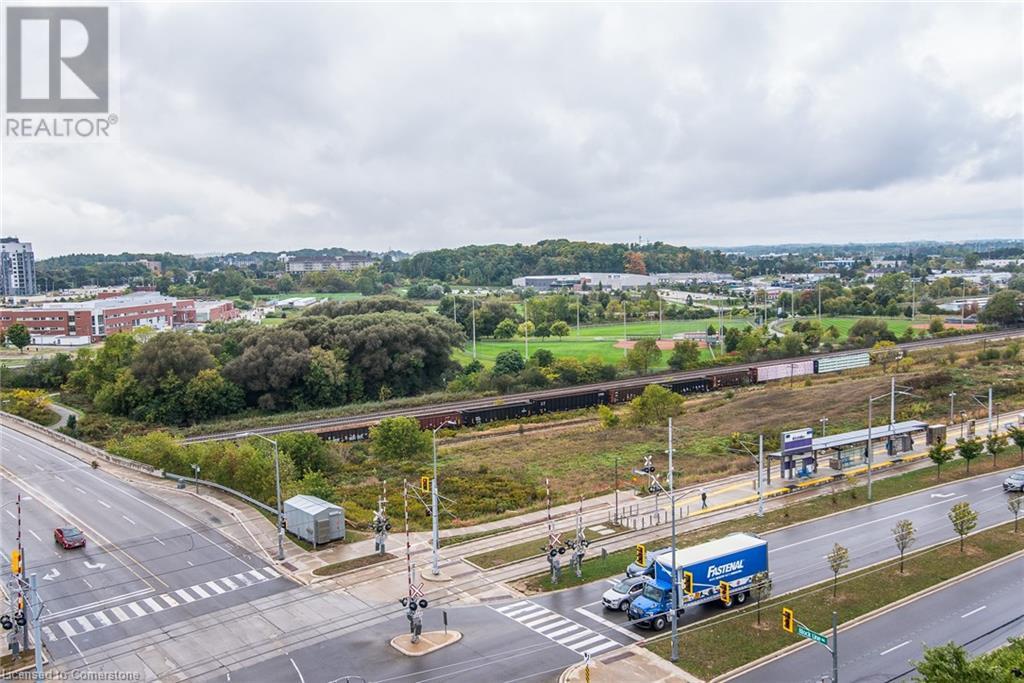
(807, 633)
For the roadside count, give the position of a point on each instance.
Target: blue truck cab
(735, 558)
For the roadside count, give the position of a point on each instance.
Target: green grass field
(594, 340)
(896, 325)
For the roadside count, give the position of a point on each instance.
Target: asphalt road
(145, 564)
(557, 628)
(979, 613)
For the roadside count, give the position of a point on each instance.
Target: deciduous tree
(964, 519)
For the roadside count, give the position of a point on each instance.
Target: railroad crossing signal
(723, 591)
(641, 555)
(788, 620)
(688, 584)
(15, 561)
(425, 484)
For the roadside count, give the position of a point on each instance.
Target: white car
(621, 594)
(1014, 482)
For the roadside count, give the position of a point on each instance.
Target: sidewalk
(633, 664)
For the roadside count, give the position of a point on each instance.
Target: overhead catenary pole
(760, 475)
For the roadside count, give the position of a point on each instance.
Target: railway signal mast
(554, 546)
(578, 545)
(381, 524)
(414, 597)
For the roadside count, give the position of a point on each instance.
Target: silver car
(620, 595)
(1014, 482)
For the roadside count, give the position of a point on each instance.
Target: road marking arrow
(98, 565)
(51, 575)
(942, 495)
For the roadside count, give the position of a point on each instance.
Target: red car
(69, 537)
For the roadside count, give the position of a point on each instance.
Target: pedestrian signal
(688, 583)
(723, 590)
(641, 555)
(425, 484)
(787, 620)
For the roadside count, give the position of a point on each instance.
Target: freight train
(590, 397)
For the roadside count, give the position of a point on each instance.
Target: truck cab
(734, 559)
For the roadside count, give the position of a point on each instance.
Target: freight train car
(346, 434)
(587, 399)
(839, 363)
(434, 421)
(508, 411)
(728, 378)
(626, 394)
(689, 386)
(767, 373)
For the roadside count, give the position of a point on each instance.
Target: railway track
(326, 424)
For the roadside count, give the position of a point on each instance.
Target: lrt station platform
(847, 453)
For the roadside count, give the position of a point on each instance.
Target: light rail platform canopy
(849, 449)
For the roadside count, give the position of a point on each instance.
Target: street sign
(807, 633)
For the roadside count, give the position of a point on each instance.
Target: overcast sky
(261, 126)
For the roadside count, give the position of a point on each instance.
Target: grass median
(354, 563)
(827, 502)
(731, 640)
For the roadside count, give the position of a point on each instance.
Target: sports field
(594, 340)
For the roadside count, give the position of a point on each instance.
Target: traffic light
(15, 561)
(723, 590)
(688, 583)
(641, 555)
(425, 484)
(787, 619)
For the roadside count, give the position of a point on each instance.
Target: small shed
(313, 519)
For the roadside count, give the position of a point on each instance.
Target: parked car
(621, 594)
(69, 537)
(1014, 482)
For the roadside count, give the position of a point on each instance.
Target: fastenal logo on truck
(714, 571)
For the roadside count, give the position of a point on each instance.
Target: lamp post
(277, 483)
(823, 421)
(870, 446)
(435, 568)
(195, 476)
(952, 396)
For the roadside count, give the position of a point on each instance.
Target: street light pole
(952, 395)
(473, 313)
(277, 484)
(675, 568)
(823, 421)
(870, 446)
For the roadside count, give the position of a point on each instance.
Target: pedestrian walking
(703, 499)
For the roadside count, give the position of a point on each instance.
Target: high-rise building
(17, 268)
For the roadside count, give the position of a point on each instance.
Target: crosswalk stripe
(505, 608)
(600, 648)
(244, 579)
(530, 613)
(533, 622)
(584, 643)
(271, 572)
(229, 583)
(554, 635)
(49, 633)
(134, 606)
(215, 588)
(153, 605)
(119, 613)
(102, 618)
(552, 625)
(86, 624)
(256, 575)
(171, 602)
(575, 636)
(184, 595)
(200, 592)
(521, 611)
(66, 627)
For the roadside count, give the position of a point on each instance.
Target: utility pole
(473, 314)
(819, 301)
(35, 608)
(990, 411)
(277, 482)
(435, 567)
(870, 447)
(661, 320)
(963, 305)
(625, 337)
(616, 489)
(526, 326)
(675, 569)
(760, 475)
(578, 316)
(823, 421)
(835, 648)
(892, 402)
(952, 395)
